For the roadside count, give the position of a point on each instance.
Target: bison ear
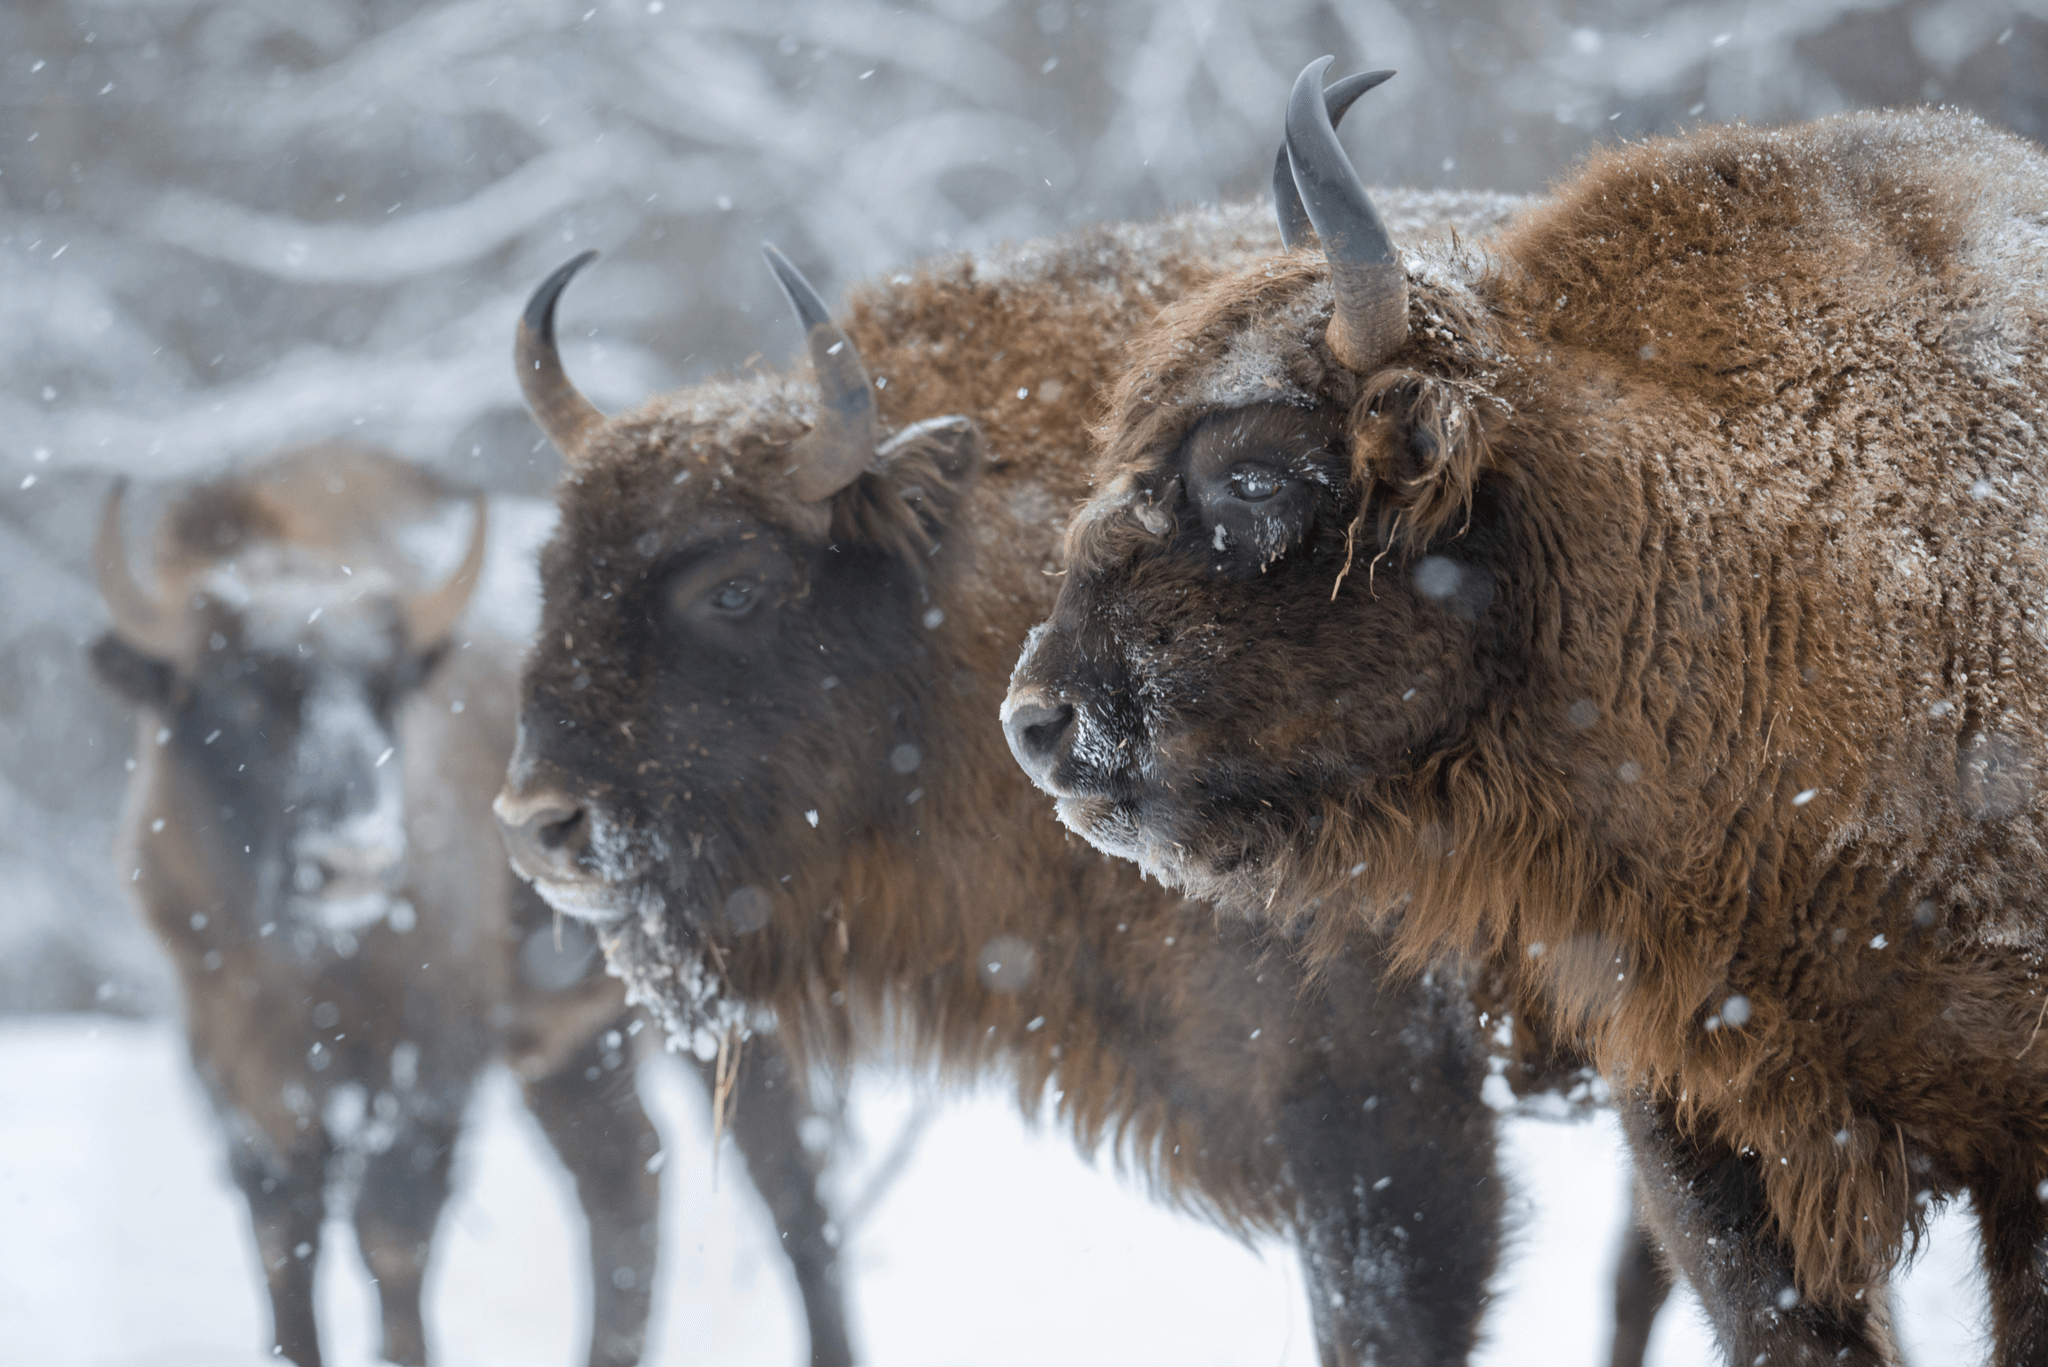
(933, 463)
(1419, 446)
(913, 490)
(141, 679)
(953, 444)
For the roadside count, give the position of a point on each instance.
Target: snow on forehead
(1256, 363)
(1254, 366)
(286, 596)
(726, 435)
(725, 417)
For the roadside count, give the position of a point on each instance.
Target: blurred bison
(1654, 603)
(309, 833)
(759, 755)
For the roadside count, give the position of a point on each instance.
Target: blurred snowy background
(231, 225)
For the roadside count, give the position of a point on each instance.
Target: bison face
(1253, 619)
(1291, 598)
(280, 724)
(717, 702)
(275, 673)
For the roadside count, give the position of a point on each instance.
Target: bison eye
(734, 598)
(1251, 483)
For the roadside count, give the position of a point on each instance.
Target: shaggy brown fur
(1688, 660)
(761, 736)
(349, 1047)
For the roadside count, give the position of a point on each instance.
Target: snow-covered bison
(1654, 602)
(310, 835)
(759, 755)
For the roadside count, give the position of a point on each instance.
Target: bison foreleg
(287, 1199)
(404, 1188)
(768, 1112)
(593, 1117)
(1707, 1207)
(1392, 1162)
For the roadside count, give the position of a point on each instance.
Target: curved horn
(1371, 316)
(843, 442)
(430, 616)
(1295, 227)
(140, 618)
(565, 415)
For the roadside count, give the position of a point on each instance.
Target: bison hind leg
(286, 1204)
(1641, 1286)
(2012, 1217)
(404, 1188)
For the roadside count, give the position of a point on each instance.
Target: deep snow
(122, 1244)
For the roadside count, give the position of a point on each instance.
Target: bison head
(274, 669)
(737, 581)
(1292, 583)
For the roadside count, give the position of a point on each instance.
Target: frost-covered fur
(1675, 639)
(805, 799)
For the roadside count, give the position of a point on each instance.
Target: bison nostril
(556, 831)
(545, 833)
(1038, 732)
(1043, 737)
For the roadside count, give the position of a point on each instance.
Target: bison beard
(1658, 618)
(759, 754)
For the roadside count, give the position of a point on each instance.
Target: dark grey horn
(1371, 316)
(843, 443)
(1295, 228)
(565, 415)
(430, 616)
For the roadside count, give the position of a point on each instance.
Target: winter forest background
(231, 225)
(228, 226)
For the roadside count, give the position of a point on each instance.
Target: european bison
(1650, 602)
(758, 755)
(310, 836)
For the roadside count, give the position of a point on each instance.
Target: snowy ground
(122, 1244)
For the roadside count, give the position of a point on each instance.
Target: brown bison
(309, 833)
(1649, 603)
(758, 755)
